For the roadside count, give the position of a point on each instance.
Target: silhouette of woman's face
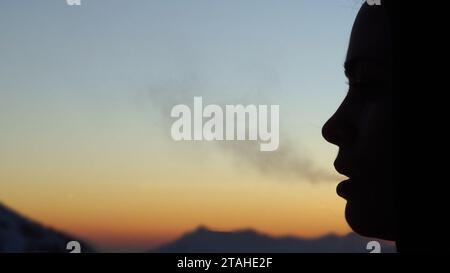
(362, 128)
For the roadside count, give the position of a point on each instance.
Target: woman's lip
(343, 188)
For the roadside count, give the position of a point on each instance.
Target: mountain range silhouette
(204, 240)
(20, 234)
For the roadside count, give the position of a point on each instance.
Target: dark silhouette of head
(362, 127)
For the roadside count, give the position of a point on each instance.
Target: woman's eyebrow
(348, 69)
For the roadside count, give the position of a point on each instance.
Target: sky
(85, 99)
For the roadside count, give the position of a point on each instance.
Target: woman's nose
(331, 131)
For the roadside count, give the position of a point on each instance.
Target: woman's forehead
(370, 39)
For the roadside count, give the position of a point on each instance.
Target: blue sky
(84, 63)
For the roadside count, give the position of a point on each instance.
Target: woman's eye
(365, 91)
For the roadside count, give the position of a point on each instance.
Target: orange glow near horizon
(142, 215)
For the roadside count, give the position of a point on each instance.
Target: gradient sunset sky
(85, 98)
